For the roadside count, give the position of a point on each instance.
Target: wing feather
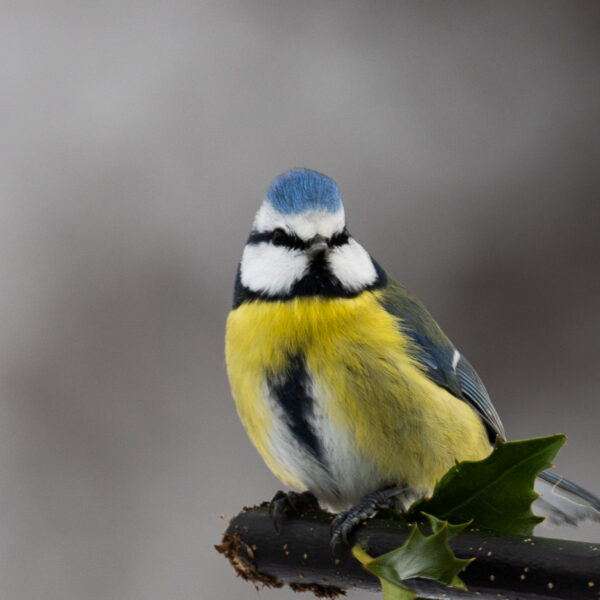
(440, 360)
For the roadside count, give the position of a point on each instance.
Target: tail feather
(564, 501)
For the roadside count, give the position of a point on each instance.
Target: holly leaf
(427, 557)
(438, 525)
(391, 591)
(497, 492)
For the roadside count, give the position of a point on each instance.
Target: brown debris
(240, 555)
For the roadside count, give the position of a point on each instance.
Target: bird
(350, 391)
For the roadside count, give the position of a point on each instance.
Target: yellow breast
(368, 386)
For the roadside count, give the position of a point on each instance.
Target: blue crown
(301, 190)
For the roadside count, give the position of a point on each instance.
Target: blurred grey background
(137, 141)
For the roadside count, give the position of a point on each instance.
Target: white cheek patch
(271, 269)
(306, 225)
(352, 265)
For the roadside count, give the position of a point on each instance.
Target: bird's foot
(343, 523)
(284, 502)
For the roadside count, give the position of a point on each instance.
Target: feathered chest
(304, 374)
(324, 332)
(344, 354)
(329, 391)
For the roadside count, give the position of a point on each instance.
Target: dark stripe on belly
(291, 392)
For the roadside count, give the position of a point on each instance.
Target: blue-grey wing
(440, 360)
(474, 392)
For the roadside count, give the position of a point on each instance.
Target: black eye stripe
(339, 239)
(282, 238)
(279, 237)
(258, 237)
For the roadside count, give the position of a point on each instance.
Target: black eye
(279, 238)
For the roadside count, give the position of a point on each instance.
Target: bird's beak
(317, 245)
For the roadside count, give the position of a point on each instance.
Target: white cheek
(352, 265)
(271, 269)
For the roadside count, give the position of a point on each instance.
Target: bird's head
(299, 244)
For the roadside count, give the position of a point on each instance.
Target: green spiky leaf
(437, 525)
(497, 492)
(428, 557)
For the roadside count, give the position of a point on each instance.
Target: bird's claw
(343, 523)
(295, 502)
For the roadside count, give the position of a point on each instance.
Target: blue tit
(345, 384)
